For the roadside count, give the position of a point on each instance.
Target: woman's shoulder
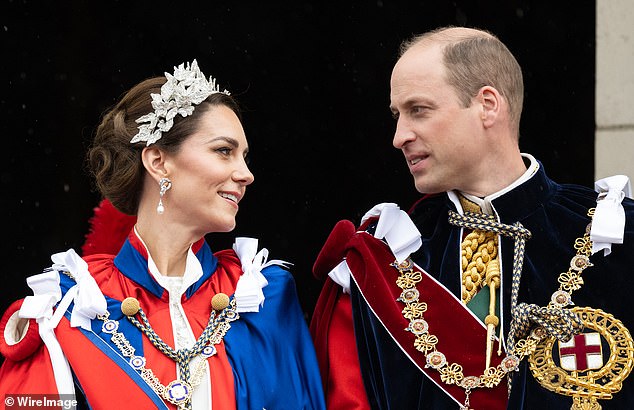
(19, 337)
(100, 266)
(246, 257)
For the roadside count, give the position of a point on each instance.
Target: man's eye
(395, 115)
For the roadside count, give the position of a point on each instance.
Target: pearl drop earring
(165, 184)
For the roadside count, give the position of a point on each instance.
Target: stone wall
(614, 138)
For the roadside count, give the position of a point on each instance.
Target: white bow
(397, 228)
(46, 294)
(89, 301)
(248, 295)
(608, 223)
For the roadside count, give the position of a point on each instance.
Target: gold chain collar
(452, 373)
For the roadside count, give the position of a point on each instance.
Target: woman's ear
(491, 102)
(154, 162)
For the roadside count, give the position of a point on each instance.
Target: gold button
(130, 306)
(219, 301)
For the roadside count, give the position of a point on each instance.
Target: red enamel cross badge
(582, 352)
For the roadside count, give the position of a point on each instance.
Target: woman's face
(209, 173)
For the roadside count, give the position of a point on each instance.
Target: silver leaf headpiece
(183, 90)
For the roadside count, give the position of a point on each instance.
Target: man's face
(438, 136)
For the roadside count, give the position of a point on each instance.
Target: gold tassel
(493, 281)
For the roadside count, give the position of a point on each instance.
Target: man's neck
(529, 165)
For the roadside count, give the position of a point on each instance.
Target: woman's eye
(224, 150)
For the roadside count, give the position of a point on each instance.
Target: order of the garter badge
(581, 367)
(593, 364)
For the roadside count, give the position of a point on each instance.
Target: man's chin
(424, 187)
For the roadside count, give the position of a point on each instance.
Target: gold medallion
(582, 375)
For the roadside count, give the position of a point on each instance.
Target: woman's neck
(167, 245)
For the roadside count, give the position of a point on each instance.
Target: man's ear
(491, 102)
(154, 162)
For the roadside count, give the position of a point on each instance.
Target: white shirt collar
(486, 202)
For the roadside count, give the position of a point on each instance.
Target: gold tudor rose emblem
(584, 384)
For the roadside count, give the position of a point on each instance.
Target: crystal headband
(183, 90)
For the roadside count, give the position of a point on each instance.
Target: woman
(165, 323)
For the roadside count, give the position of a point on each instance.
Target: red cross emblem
(582, 352)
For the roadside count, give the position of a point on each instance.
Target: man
(511, 302)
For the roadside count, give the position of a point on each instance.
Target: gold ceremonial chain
(554, 321)
(425, 342)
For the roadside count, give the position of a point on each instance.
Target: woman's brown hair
(116, 163)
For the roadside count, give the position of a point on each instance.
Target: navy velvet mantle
(556, 215)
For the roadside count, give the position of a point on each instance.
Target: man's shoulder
(587, 196)
(577, 192)
(429, 207)
(429, 202)
(428, 211)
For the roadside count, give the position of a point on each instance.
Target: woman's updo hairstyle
(116, 163)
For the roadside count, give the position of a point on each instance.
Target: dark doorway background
(314, 81)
